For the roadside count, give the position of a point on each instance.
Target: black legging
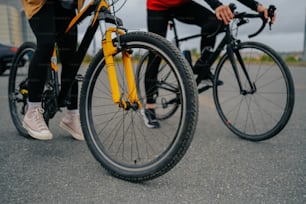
(189, 13)
(48, 26)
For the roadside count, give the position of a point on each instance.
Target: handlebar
(243, 15)
(103, 12)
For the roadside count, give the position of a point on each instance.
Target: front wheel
(264, 104)
(117, 137)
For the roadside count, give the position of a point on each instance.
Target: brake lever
(232, 6)
(271, 13)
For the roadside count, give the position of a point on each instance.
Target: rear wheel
(167, 100)
(118, 138)
(17, 89)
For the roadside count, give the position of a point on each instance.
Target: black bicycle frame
(86, 40)
(231, 43)
(77, 57)
(102, 13)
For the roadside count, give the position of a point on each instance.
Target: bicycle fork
(131, 100)
(231, 51)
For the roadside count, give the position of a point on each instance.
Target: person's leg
(68, 96)
(157, 22)
(67, 44)
(195, 14)
(43, 27)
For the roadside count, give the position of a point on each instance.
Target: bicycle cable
(120, 7)
(112, 5)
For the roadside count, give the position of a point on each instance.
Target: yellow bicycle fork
(131, 99)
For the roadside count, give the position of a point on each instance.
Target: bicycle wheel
(263, 112)
(118, 138)
(17, 88)
(167, 100)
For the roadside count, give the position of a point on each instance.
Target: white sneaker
(149, 118)
(71, 123)
(35, 124)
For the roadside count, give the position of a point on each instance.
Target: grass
(291, 60)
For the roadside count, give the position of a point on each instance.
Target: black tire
(118, 138)
(263, 114)
(166, 105)
(17, 88)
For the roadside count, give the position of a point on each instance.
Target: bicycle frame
(103, 16)
(230, 43)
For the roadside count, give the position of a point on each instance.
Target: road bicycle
(110, 109)
(257, 97)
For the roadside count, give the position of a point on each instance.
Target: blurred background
(14, 28)
(287, 35)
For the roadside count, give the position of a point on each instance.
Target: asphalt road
(218, 168)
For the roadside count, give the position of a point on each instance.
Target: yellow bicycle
(110, 108)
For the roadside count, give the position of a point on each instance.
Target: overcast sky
(287, 34)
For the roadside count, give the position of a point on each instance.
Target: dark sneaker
(208, 79)
(149, 118)
(200, 67)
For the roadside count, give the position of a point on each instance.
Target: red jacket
(159, 5)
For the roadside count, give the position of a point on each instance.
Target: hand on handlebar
(224, 13)
(265, 11)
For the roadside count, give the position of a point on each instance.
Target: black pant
(189, 13)
(48, 26)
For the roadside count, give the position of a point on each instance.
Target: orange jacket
(31, 7)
